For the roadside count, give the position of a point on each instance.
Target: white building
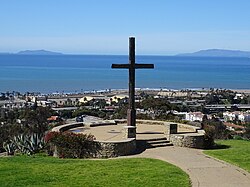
(194, 116)
(238, 96)
(237, 115)
(244, 117)
(230, 116)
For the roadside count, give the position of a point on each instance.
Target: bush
(220, 131)
(66, 114)
(247, 133)
(209, 136)
(32, 121)
(71, 145)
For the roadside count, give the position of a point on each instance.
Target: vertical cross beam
(131, 113)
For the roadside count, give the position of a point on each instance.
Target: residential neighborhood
(181, 105)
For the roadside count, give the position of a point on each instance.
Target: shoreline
(125, 90)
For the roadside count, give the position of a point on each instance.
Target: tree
(220, 131)
(36, 120)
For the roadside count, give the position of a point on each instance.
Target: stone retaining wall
(66, 127)
(141, 121)
(191, 139)
(116, 148)
(154, 122)
(188, 127)
(194, 139)
(101, 123)
(188, 140)
(125, 147)
(106, 149)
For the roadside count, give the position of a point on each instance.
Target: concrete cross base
(129, 132)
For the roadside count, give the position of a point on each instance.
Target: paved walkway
(203, 170)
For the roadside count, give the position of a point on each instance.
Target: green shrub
(25, 144)
(247, 133)
(209, 136)
(71, 145)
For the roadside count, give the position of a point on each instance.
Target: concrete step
(154, 139)
(158, 142)
(159, 145)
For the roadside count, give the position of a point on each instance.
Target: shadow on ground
(219, 146)
(141, 146)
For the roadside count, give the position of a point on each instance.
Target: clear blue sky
(103, 26)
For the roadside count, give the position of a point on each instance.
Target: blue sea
(77, 73)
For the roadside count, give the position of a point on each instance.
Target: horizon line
(50, 53)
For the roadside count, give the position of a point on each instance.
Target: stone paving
(116, 132)
(103, 133)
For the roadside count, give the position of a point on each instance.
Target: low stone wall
(188, 140)
(188, 127)
(193, 139)
(141, 121)
(66, 127)
(150, 122)
(154, 122)
(101, 123)
(106, 149)
(116, 148)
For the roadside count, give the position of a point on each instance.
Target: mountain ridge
(38, 52)
(217, 53)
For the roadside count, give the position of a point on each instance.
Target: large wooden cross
(131, 113)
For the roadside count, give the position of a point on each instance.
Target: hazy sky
(103, 26)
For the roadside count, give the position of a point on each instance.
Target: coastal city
(124, 93)
(231, 107)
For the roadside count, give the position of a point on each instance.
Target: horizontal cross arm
(122, 66)
(144, 66)
(136, 66)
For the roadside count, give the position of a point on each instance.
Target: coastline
(246, 91)
(125, 91)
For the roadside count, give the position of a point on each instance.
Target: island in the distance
(38, 52)
(218, 53)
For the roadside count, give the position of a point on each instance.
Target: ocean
(78, 73)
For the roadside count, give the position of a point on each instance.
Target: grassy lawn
(238, 153)
(49, 171)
